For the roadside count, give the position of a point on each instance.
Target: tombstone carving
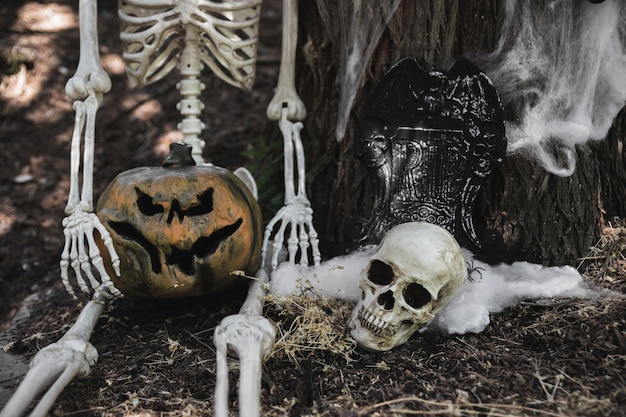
(430, 139)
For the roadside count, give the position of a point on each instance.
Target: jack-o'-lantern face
(180, 231)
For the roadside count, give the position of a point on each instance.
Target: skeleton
(416, 271)
(158, 36)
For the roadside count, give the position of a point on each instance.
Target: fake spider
(471, 269)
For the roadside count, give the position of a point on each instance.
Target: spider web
(562, 66)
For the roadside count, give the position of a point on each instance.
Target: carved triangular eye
(146, 205)
(203, 206)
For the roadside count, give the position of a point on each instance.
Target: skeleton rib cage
(153, 34)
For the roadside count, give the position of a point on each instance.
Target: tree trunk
(543, 218)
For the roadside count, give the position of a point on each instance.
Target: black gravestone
(430, 139)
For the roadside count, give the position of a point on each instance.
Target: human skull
(416, 271)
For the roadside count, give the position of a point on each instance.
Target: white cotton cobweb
(360, 31)
(336, 278)
(488, 293)
(564, 63)
(493, 288)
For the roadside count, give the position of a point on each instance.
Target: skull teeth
(376, 324)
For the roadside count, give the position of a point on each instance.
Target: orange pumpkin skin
(180, 231)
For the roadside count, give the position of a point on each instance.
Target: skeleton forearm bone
(286, 88)
(86, 88)
(297, 212)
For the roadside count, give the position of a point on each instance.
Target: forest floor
(555, 357)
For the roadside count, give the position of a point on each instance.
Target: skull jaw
(374, 341)
(380, 335)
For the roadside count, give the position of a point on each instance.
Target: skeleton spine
(190, 87)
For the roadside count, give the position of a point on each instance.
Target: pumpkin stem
(180, 155)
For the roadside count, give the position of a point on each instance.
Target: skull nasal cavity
(416, 296)
(386, 300)
(380, 273)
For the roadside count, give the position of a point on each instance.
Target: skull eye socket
(380, 273)
(416, 296)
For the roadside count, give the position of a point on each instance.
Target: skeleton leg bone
(57, 364)
(251, 336)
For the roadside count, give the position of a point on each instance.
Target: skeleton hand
(298, 215)
(297, 212)
(79, 230)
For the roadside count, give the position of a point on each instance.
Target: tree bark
(543, 218)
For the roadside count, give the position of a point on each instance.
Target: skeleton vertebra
(416, 271)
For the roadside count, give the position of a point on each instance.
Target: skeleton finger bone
(65, 259)
(75, 263)
(303, 238)
(292, 242)
(81, 253)
(279, 238)
(295, 215)
(285, 93)
(314, 241)
(94, 253)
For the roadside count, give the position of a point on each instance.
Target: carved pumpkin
(180, 230)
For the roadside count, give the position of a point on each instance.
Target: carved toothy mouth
(376, 324)
(184, 259)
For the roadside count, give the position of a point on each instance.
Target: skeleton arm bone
(285, 107)
(89, 73)
(86, 88)
(286, 88)
(297, 212)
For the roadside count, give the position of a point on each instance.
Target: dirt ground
(156, 358)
